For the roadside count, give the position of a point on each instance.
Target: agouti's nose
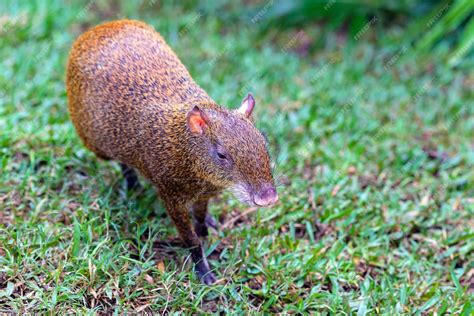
(266, 196)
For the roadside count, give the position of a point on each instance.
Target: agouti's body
(132, 100)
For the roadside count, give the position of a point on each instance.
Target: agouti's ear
(197, 121)
(247, 105)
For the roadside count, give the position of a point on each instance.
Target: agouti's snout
(267, 196)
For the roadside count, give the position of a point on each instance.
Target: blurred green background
(368, 108)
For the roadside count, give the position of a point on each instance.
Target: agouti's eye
(221, 156)
(221, 153)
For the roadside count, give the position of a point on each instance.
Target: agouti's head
(231, 152)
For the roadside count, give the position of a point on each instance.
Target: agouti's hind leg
(202, 219)
(180, 216)
(130, 176)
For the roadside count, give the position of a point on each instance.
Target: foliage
(436, 20)
(459, 17)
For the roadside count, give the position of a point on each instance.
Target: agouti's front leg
(180, 217)
(202, 220)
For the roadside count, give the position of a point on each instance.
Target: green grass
(374, 154)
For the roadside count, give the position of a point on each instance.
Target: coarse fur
(133, 101)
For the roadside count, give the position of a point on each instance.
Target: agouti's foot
(209, 279)
(204, 273)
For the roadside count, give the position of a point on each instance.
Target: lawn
(374, 156)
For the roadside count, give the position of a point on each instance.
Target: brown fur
(129, 98)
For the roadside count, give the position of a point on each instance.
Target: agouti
(132, 100)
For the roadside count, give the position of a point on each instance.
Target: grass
(373, 146)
